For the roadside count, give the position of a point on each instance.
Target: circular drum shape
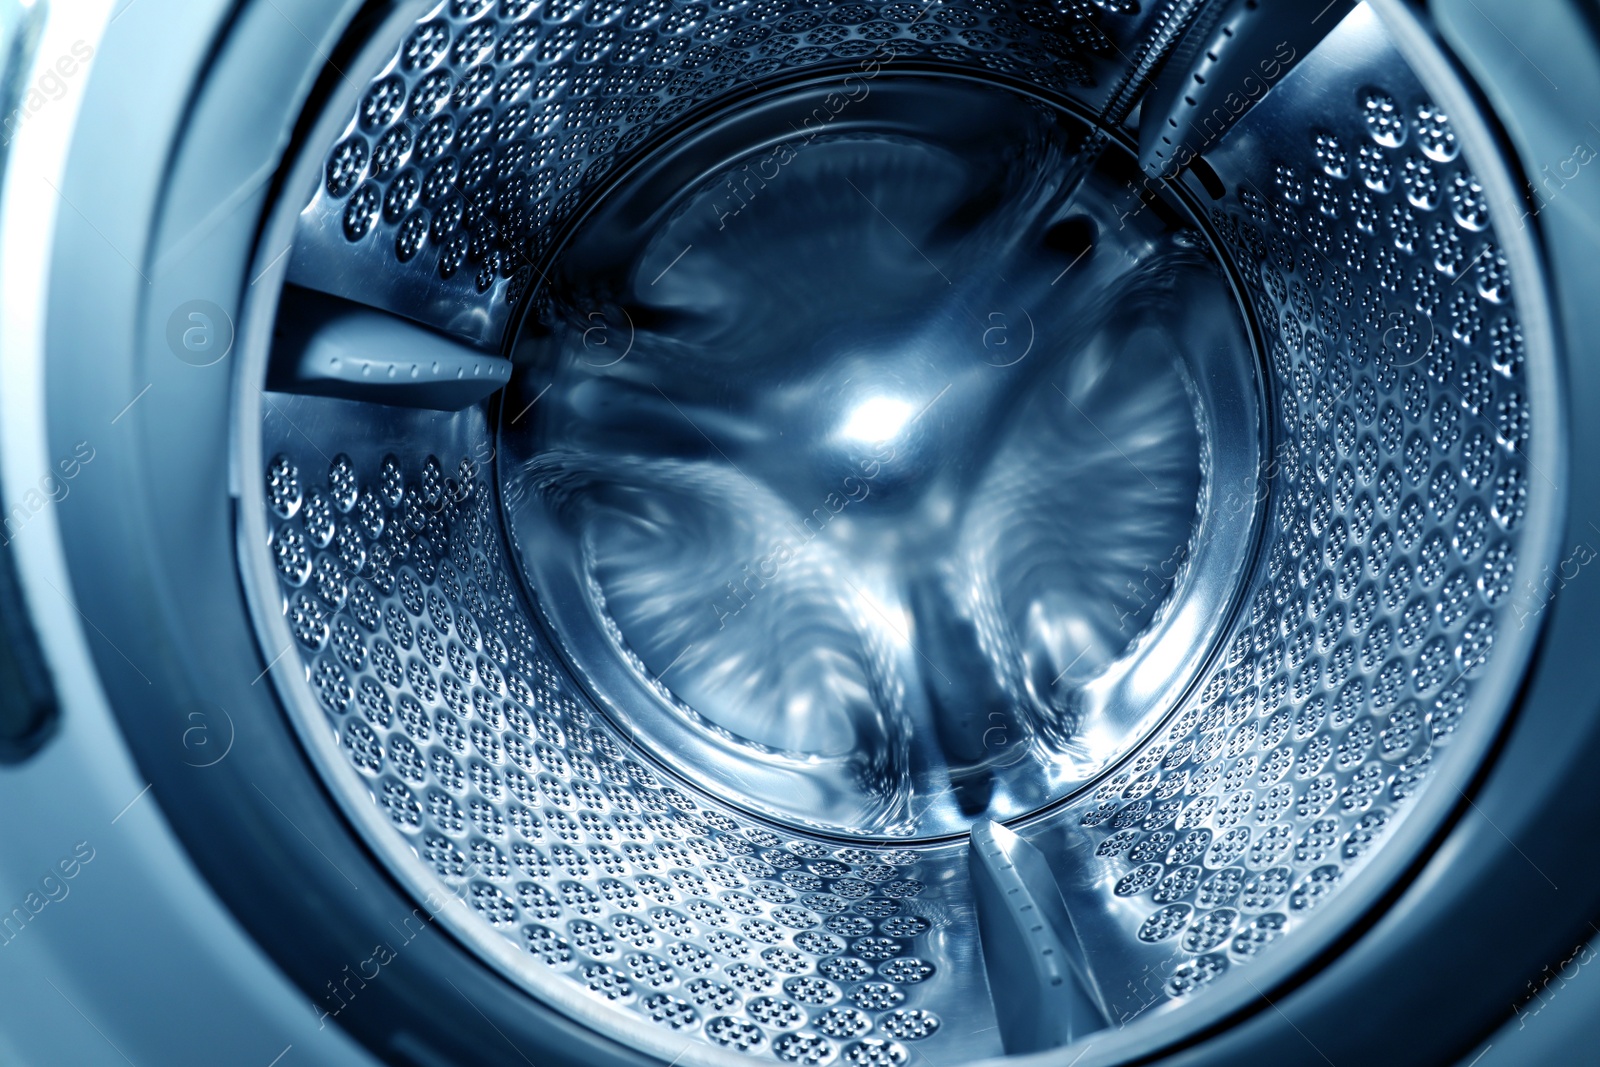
(471, 616)
(813, 553)
(869, 477)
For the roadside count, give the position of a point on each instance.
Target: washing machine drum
(838, 533)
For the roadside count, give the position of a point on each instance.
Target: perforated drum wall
(1403, 511)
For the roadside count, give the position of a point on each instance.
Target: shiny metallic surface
(1409, 491)
(1235, 52)
(678, 816)
(494, 121)
(877, 479)
(1045, 990)
(330, 347)
(482, 769)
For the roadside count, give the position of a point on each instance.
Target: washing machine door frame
(165, 191)
(177, 149)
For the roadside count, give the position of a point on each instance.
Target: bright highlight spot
(878, 419)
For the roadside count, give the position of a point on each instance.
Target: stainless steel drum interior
(794, 539)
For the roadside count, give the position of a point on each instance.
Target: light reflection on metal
(921, 536)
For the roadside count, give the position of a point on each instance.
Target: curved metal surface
(1311, 201)
(1401, 499)
(113, 942)
(878, 481)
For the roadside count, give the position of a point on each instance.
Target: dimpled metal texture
(1399, 497)
(534, 811)
(1399, 487)
(495, 119)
